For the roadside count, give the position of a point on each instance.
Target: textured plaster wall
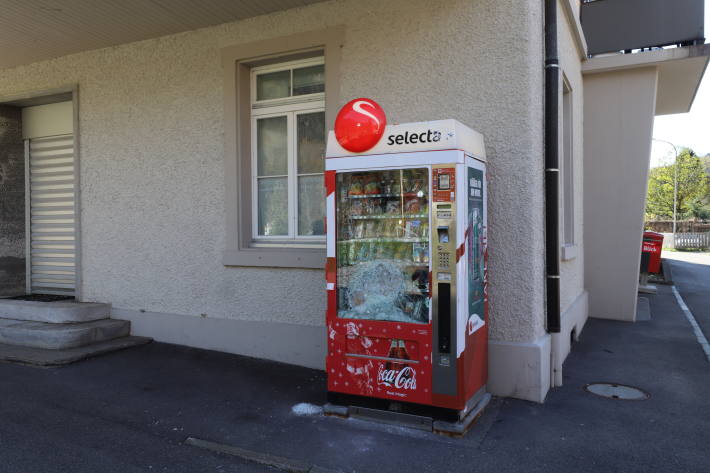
(572, 271)
(151, 150)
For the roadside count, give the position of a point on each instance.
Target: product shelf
(375, 196)
(377, 217)
(385, 240)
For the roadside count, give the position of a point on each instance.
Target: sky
(690, 129)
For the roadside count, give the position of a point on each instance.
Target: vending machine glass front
(383, 245)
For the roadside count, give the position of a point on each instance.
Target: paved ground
(691, 275)
(131, 412)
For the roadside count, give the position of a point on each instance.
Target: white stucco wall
(572, 270)
(618, 128)
(151, 125)
(573, 297)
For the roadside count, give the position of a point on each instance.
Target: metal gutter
(552, 171)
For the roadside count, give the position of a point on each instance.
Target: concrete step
(44, 357)
(61, 336)
(59, 312)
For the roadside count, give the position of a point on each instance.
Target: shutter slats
(55, 292)
(52, 208)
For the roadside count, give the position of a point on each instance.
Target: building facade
(167, 190)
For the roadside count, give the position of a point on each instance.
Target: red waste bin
(652, 246)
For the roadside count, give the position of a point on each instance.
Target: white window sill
(568, 252)
(293, 244)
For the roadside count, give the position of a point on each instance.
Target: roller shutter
(52, 219)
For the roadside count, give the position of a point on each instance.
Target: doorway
(51, 253)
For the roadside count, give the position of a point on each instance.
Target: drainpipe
(552, 168)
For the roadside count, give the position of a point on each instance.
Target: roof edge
(618, 61)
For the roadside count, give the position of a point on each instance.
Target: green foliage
(706, 163)
(693, 199)
(699, 209)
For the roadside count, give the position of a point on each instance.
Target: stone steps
(61, 336)
(59, 312)
(60, 332)
(44, 357)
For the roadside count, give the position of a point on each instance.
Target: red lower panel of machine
(387, 360)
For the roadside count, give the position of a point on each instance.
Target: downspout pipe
(552, 168)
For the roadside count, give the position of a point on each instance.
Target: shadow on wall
(12, 203)
(12, 276)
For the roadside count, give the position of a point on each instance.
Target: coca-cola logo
(360, 124)
(404, 378)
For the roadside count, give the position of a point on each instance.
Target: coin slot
(443, 234)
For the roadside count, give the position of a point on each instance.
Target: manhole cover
(617, 391)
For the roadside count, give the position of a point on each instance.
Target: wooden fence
(682, 226)
(699, 241)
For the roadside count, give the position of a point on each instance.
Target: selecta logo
(360, 124)
(407, 138)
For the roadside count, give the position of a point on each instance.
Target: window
(288, 147)
(281, 94)
(568, 239)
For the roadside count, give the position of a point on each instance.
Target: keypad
(444, 260)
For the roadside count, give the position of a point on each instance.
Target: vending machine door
(379, 324)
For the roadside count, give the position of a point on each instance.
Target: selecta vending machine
(407, 316)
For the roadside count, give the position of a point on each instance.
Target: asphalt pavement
(691, 276)
(132, 411)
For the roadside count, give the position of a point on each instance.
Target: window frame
(290, 107)
(567, 174)
(282, 66)
(241, 248)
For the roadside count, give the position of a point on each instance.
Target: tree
(692, 189)
(706, 163)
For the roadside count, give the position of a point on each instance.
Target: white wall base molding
(520, 369)
(302, 345)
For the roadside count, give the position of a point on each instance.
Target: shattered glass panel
(383, 245)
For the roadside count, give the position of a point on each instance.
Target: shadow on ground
(132, 410)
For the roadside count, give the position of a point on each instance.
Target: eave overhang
(680, 71)
(38, 30)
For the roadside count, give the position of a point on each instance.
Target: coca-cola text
(404, 378)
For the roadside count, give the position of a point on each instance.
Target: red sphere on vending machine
(360, 124)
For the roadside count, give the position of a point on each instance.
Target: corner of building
(572, 323)
(520, 369)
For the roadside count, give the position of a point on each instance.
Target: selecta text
(407, 138)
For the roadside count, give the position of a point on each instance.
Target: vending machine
(407, 315)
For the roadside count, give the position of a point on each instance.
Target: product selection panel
(444, 239)
(444, 266)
